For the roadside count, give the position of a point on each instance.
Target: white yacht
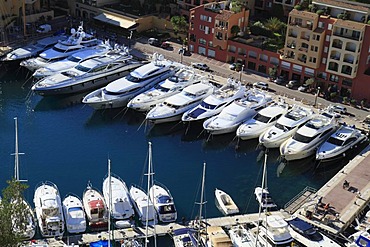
(163, 203)
(144, 205)
(145, 101)
(49, 210)
(174, 107)
(119, 198)
(264, 119)
(74, 214)
(214, 103)
(308, 137)
(118, 93)
(241, 236)
(240, 110)
(79, 40)
(71, 61)
(275, 231)
(95, 208)
(225, 203)
(286, 126)
(341, 141)
(306, 234)
(88, 75)
(264, 199)
(32, 50)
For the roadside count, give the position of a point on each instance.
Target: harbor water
(69, 144)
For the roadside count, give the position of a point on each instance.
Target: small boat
(275, 230)
(163, 203)
(341, 141)
(241, 236)
(144, 205)
(214, 103)
(88, 75)
(74, 214)
(308, 137)
(145, 101)
(174, 107)
(95, 208)
(286, 126)
(264, 199)
(121, 207)
(225, 203)
(229, 119)
(307, 235)
(49, 210)
(264, 119)
(119, 92)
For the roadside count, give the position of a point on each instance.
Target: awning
(115, 20)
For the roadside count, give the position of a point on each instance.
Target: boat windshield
(73, 59)
(164, 199)
(283, 127)
(208, 106)
(302, 138)
(171, 105)
(58, 49)
(70, 73)
(294, 115)
(167, 209)
(261, 118)
(313, 234)
(82, 68)
(132, 78)
(160, 88)
(335, 141)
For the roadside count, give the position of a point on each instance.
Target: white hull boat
(225, 203)
(163, 203)
(275, 230)
(49, 211)
(341, 141)
(144, 206)
(307, 138)
(145, 101)
(174, 107)
(121, 206)
(95, 208)
(74, 214)
(214, 103)
(242, 237)
(229, 119)
(286, 126)
(264, 199)
(264, 119)
(119, 92)
(359, 238)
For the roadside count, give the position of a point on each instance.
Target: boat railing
(47, 183)
(299, 195)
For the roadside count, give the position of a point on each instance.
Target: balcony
(337, 45)
(333, 67)
(291, 46)
(353, 37)
(335, 57)
(305, 37)
(304, 49)
(347, 60)
(293, 35)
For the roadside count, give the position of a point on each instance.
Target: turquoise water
(69, 144)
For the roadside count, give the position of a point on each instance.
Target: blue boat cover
(100, 243)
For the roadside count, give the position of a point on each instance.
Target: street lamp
(240, 75)
(316, 95)
(129, 39)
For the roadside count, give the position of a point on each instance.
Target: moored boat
(95, 208)
(144, 205)
(163, 203)
(74, 214)
(264, 198)
(225, 203)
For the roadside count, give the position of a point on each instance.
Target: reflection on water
(57, 102)
(164, 129)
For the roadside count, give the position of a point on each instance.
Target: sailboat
(27, 228)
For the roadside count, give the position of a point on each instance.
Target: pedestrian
(319, 201)
(345, 184)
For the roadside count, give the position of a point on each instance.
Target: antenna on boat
(260, 204)
(16, 154)
(150, 184)
(201, 202)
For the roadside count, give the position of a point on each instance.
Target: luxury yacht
(264, 119)
(308, 137)
(119, 92)
(95, 208)
(174, 107)
(229, 119)
(144, 206)
(71, 61)
(214, 103)
(145, 101)
(163, 203)
(79, 40)
(74, 214)
(90, 74)
(341, 141)
(48, 207)
(274, 231)
(286, 126)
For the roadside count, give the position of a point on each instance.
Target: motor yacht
(264, 198)
(163, 203)
(31, 50)
(174, 107)
(274, 231)
(286, 126)
(214, 103)
(341, 141)
(264, 119)
(144, 206)
(145, 101)
(71, 61)
(74, 214)
(308, 137)
(79, 40)
(95, 208)
(240, 110)
(241, 236)
(225, 203)
(90, 74)
(118, 200)
(48, 207)
(118, 93)
(307, 235)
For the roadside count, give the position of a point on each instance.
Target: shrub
(298, 7)
(320, 12)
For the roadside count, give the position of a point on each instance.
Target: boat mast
(260, 204)
(16, 154)
(201, 202)
(110, 201)
(150, 184)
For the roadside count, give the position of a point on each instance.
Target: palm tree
(274, 24)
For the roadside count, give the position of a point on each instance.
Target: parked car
(280, 80)
(303, 88)
(293, 84)
(154, 42)
(166, 45)
(340, 109)
(261, 85)
(201, 66)
(184, 52)
(235, 66)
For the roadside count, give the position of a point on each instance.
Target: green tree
(179, 24)
(10, 210)
(237, 5)
(274, 24)
(235, 30)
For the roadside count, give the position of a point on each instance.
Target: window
(203, 17)
(313, 59)
(334, 78)
(321, 24)
(314, 48)
(330, 26)
(202, 27)
(202, 41)
(326, 49)
(210, 43)
(327, 38)
(324, 60)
